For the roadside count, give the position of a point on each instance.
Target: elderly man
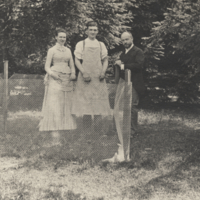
(132, 58)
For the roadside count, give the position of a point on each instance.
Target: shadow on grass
(174, 154)
(180, 180)
(24, 140)
(168, 153)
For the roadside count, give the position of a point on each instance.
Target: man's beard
(127, 46)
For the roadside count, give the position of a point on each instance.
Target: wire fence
(98, 136)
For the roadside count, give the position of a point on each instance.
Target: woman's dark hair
(60, 30)
(91, 23)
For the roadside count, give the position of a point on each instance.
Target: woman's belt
(65, 84)
(61, 67)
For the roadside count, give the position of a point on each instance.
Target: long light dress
(56, 110)
(91, 98)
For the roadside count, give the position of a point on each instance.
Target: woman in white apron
(59, 86)
(91, 95)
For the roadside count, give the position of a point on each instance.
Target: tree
(179, 37)
(31, 24)
(7, 21)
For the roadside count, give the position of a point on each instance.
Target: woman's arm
(48, 65)
(48, 62)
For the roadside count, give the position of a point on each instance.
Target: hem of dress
(45, 130)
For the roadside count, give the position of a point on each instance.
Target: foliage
(111, 17)
(178, 37)
(144, 13)
(28, 27)
(168, 31)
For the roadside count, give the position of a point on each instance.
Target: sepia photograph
(100, 100)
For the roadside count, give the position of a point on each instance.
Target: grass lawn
(165, 161)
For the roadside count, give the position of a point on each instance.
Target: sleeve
(49, 60)
(137, 64)
(104, 52)
(79, 50)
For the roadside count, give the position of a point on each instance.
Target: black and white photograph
(99, 99)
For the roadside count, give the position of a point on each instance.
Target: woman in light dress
(59, 86)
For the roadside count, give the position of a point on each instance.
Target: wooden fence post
(5, 93)
(127, 115)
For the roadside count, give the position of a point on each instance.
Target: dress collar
(60, 47)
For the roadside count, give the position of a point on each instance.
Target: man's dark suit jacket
(134, 60)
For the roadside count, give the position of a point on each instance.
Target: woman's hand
(73, 77)
(86, 77)
(55, 76)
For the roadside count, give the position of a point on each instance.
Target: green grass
(165, 161)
